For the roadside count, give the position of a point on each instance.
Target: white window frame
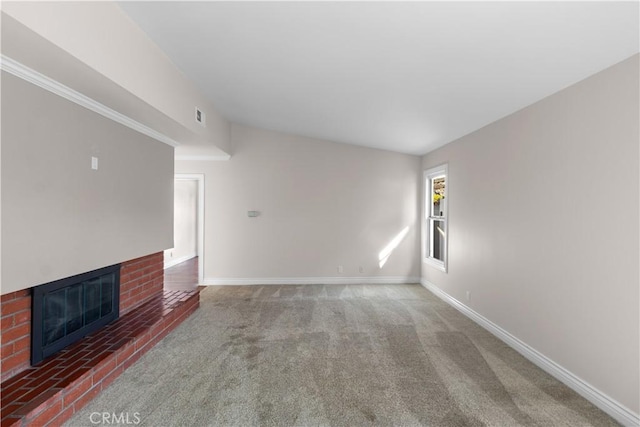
(428, 177)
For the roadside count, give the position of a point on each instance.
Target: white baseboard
(311, 280)
(617, 411)
(176, 261)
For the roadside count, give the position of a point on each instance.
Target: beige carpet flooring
(336, 356)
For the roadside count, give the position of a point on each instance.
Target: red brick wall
(140, 279)
(15, 309)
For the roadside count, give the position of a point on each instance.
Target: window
(435, 217)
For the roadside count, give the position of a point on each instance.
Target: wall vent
(200, 117)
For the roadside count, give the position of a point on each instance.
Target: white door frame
(199, 177)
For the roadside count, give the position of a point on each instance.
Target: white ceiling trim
(30, 75)
(198, 158)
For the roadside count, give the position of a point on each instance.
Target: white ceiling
(401, 76)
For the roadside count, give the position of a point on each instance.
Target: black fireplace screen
(66, 310)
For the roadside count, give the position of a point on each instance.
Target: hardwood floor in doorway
(182, 277)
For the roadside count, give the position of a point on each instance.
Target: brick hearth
(50, 392)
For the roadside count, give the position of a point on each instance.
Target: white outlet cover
(94, 163)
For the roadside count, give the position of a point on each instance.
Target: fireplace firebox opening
(66, 310)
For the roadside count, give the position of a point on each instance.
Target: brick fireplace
(55, 388)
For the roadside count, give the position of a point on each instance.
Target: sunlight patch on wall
(384, 255)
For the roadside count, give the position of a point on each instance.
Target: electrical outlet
(361, 269)
(340, 269)
(468, 295)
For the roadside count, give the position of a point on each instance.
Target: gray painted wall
(322, 205)
(127, 57)
(528, 236)
(59, 217)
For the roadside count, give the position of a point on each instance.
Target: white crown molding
(30, 75)
(616, 410)
(394, 280)
(198, 158)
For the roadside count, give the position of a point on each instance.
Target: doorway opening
(184, 263)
